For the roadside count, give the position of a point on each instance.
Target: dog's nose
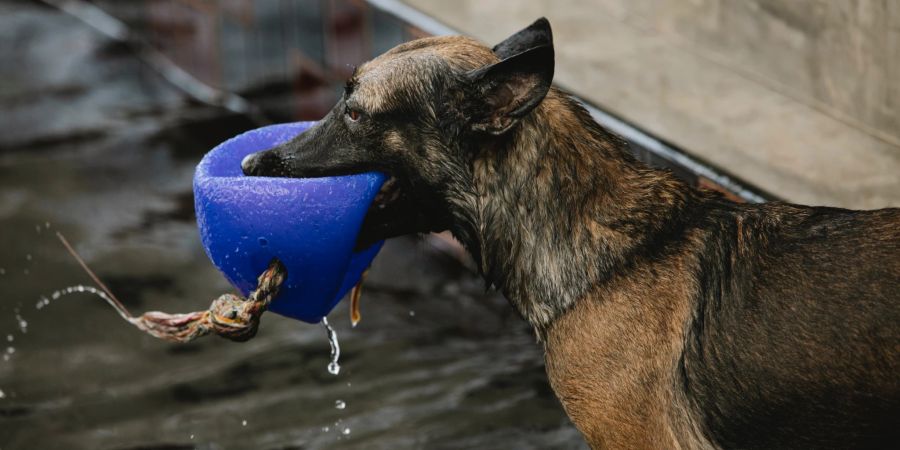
(266, 163)
(248, 164)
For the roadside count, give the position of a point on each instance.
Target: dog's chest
(611, 359)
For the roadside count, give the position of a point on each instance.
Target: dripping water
(333, 367)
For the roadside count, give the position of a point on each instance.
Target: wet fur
(670, 317)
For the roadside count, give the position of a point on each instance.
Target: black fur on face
(420, 113)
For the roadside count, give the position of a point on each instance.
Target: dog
(670, 317)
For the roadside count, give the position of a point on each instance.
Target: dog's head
(421, 113)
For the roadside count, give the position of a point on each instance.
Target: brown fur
(611, 361)
(611, 358)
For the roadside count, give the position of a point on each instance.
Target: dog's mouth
(399, 208)
(395, 211)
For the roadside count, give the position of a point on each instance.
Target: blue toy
(310, 224)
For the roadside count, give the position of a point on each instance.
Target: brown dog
(670, 317)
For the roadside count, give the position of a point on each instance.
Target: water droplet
(28, 257)
(10, 338)
(26, 271)
(192, 437)
(333, 367)
(10, 350)
(346, 431)
(46, 225)
(412, 313)
(244, 422)
(2, 271)
(73, 289)
(348, 384)
(23, 325)
(325, 429)
(339, 404)
(37, 228)
(2, 394)
(6, 357)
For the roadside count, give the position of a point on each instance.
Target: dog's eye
(353, 114)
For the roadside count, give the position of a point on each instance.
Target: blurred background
(107, 106)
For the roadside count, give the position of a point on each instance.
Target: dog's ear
(535, 35)
(508, 90)
(505, 92)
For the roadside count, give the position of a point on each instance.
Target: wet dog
(670, 317)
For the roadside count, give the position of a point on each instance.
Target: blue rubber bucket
(310, 224)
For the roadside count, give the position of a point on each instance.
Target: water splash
(78, 288)
(41, 303)
(105, 294)
(333, 367)
(23, 324)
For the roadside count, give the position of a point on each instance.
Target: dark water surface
(96, 146)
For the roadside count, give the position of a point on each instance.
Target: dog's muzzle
(263, 164)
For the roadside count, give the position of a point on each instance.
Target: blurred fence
(291, 57)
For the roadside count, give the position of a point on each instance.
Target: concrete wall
(842, 56)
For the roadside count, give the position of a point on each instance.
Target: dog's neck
(558, 206)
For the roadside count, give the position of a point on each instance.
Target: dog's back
(796, 336)
(755, 326)
(759, 326)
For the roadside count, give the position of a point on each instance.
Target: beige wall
(842, 56)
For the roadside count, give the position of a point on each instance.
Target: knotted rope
(229, 316)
